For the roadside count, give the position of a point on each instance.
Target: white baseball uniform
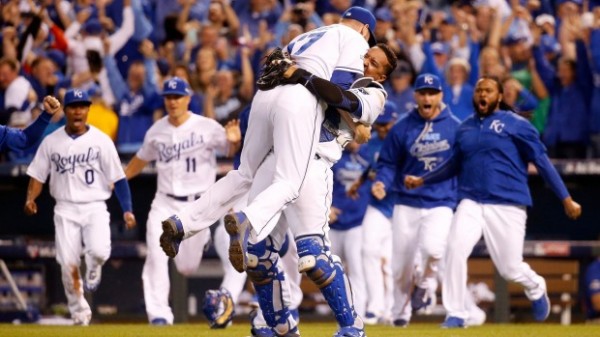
(186, 166)
(82, 171)
(286, 119)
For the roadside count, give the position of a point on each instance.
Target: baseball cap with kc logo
(428, 81)
(75, 96)
(176, 86)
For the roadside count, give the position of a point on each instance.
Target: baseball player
(285, 120)
(16, 139)
(421, 140)
(184, 146)
(345, 219)
(377, 227)
(490, 157)
(308, 216)
(83, 165)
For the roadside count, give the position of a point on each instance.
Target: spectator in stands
(594, 50)
(137, 100)
(519, 97)
(570, 87)
(399, 87)
(16, 90)
(458, 93)
(227, 96)
(101, 115)
(252, 12)
(592, 292)
(222, 17)
(43, 78)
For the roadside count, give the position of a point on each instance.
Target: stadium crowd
(545, 53)
(120, 51)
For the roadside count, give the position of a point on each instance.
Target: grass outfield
(307, 330)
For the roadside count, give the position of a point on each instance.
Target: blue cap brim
(174, 92)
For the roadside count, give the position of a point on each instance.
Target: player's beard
(487, 109)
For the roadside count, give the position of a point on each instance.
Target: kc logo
(173, 84)
(497, 126)
(428, 79)
(78, 93)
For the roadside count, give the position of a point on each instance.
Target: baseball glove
(276, 64)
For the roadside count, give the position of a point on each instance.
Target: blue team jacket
(416, 146)
(491, 156)
(345, 172)
(371, 151)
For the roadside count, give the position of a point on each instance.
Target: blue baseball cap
(74, 96)
(428, 81)
(549, 44)
(92, 27)
(384, 14)
(440, 48)
(390, 113)
(365, 17)
(176, 86)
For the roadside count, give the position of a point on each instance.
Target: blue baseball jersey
(592, 288)
(416, 146)
(345, 172)
(491, 156)
(371, 151)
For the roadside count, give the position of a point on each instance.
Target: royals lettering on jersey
(81, 170)
(170, 151)
(66, 163)
(416, 146)
(186, 156)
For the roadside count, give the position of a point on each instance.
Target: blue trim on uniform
(345, 78)
(123, 194)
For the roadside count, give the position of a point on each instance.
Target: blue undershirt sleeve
(24, 139)
(123, 193)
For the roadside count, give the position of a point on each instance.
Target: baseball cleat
(453, 323)
(400, 323)
(238, 228)
(350, 331)
(370, 318)
(419, 299)
(262, 332)
(218, 308)
(172, 235)
(159, 321)
(92, 279)
(541, 308)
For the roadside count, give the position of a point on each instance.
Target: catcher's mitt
(276, 64)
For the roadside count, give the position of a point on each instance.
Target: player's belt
(191, 197)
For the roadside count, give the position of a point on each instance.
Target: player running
(184, 146)
(490, 157)
(83, 165)
(420, 141)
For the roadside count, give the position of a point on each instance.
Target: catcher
(364, 101)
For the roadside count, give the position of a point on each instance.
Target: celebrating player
(184, 146)
(16, 139)
(308, 216)
(83, 165)
(490, 156)
(421, 140)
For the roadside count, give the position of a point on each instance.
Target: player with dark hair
(490, 157)
(83, 166)
(420, 141)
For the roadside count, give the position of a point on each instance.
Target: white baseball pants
(286, 119)
(74, 224)
(155, 275)
(376, 256)
(347, 245)
(503, 229)
(423, 229)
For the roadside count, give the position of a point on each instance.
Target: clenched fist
(51, 105)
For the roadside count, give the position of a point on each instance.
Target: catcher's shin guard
(270, 284)
(319, 266)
